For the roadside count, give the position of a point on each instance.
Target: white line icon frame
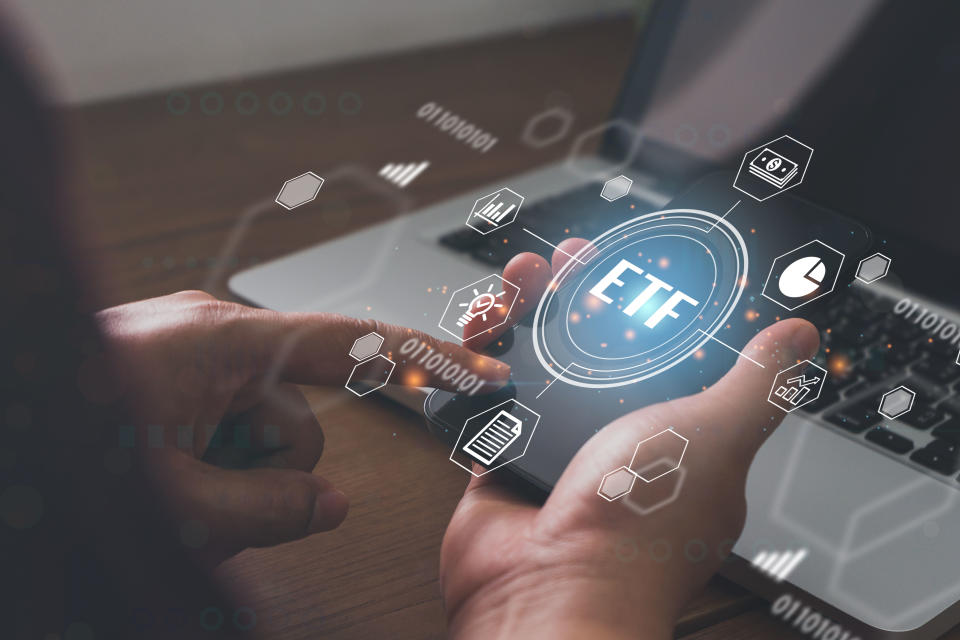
(790, 183)
(833, 281)
(494, 410)
(452, 313)
(491, 216)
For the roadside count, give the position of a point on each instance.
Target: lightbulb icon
(480, 305)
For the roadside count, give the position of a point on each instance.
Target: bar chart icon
(495, 210)
(778, 565)
(402, 174)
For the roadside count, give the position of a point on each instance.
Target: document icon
(494, 438)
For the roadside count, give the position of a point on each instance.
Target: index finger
(329, 349)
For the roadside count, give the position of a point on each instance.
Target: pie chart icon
(802, 277)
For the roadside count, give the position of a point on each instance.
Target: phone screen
(656, 314)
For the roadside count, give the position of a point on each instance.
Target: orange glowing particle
(699, 354)
(603, 345)
(663, 263)
(630, 334)
(621, 399)
(505, 241)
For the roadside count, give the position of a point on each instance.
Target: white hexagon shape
(658, 455)
(897, 402)
(467, 310)
(520, 414)
(634, 497)
(873, 268)
(300, 190)
(616, 484)
(811, 272)
(797, 386)
(564, 119)
(366, 346)
(370, 375)
(629, 132)
(616, 188)
(494, 210)
(773, 168)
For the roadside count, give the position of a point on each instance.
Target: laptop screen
(873, 86)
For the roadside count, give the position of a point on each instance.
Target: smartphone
(649, 285)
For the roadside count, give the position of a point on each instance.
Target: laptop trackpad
(862, 515)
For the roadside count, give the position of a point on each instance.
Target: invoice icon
(494, 438)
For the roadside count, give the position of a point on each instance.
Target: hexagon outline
(610, 473)
(886, 267)
(456, 445)
(820, 386)
(913, 398)
(566, 117)
(833, 282)
(625, 193)
(682, 472)
(311, 199)
(393, 365)
(785, 188)
(473, 284)
(375, 351)
(491, 228)
(629, 127)
(657, 435)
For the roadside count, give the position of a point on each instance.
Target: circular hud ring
(609, 327)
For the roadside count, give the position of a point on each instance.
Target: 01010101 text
(457, 127)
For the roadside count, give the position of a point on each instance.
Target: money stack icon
(772, 167)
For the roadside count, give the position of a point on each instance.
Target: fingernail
(329, 510)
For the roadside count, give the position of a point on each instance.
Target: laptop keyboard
(867, 349)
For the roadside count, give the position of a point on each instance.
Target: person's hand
(192, 368)
(511, 569)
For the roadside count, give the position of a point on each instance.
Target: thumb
(734, 411)
(234, 509)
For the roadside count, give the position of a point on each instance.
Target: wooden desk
(161, 193)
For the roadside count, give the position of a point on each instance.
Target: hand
(510, 569)
(192, 366)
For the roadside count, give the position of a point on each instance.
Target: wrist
(560, 607)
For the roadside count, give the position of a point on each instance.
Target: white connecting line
(553, 245)
(723, 216)
(554, 380)
(731, 348)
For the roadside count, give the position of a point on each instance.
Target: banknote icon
(772, 167)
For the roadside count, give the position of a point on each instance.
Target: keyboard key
(923, 417)
(462, 239)
(937, 370)
(889, 440)
(943, 456)
(855, 419)
(949, 430)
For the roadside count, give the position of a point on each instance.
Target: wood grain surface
(160, 193)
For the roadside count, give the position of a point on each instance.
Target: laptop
(869, 505)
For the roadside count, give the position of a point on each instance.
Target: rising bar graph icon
(402, 174)
(780, 565)
(495, 210)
